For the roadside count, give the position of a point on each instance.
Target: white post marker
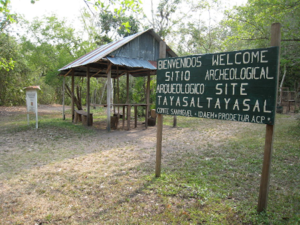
(31, 102)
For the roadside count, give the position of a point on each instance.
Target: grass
(210, 173)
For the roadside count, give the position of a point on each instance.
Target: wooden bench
(81, 116)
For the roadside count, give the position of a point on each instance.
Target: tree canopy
(189, 27)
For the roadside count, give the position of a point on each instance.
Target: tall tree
(165, 17)
(49, 45)
(249, 26)
(114, 18)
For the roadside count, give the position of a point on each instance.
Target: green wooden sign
(236, 86)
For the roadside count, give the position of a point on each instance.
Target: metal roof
(98, 59)
(133, 63)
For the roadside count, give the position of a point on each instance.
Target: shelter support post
(123, 116)
(127, 101)
(148, 100)
(88, 95)
(108, 96)
(118, 94)
(72, 98)
(265, 175)
(114, 95)
(135, 116)
(63, 100)
(128, 116)
(127, 87)
(162, 54)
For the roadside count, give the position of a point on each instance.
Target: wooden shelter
(134, 55)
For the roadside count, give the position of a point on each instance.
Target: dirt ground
(9, 111)
(55, 176)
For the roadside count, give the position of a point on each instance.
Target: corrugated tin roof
(133, 63)
(104, 50)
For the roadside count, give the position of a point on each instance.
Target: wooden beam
(88, 96)
(135, 116)
(135, 71)
(147, 100)
(72, 98)
(118, 90)
(68, 72)
(122, 74)
(114, 95)
(127, 101)
(265, 175)
(127, 88)
(123, 119)
(109, 68)
(63, 100)
(108, 96)
(99, 71)
(128, 116)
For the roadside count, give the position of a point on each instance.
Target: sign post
(162, 54)
(265, 175)
(31, 102)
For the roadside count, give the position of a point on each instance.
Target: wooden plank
(88, 95)
(162, 54)
(72, 99)
(265, 175)
(108, 96)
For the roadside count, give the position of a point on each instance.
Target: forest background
(189, 27)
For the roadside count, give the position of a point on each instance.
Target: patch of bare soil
(9, 111)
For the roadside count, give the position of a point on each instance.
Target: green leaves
(6, 17)
(7, 64)
(249, 27)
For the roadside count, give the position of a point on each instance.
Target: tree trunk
(77, 100)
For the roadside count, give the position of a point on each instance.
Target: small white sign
(31, 101)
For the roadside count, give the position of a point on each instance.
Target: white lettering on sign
(239, 58)
(246, 73)
(187, 62)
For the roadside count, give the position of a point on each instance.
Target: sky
(70, 9)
